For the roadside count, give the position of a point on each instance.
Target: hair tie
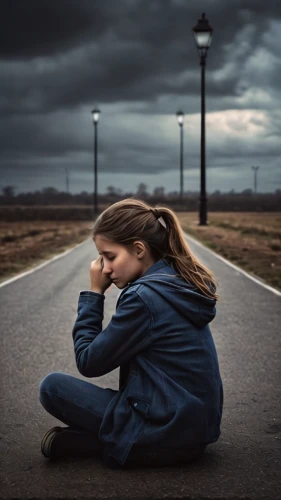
(159, 217)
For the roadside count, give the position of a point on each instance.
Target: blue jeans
(76, 403)
(81, 405)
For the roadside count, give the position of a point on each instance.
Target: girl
(169, 404)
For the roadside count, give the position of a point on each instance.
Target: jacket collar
(155, 267)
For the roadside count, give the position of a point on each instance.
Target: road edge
(187, 237)
(43, 264)
(234, 266)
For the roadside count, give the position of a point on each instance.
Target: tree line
(231, 201)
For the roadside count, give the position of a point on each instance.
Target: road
(37, 315)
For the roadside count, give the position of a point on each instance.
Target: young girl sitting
(169, 404)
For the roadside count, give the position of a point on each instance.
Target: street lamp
(95, 117)
(203, 38)
(67, 180)
(255, 169)
(180, 118)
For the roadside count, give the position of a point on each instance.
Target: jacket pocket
(139, 405)
(124, 433)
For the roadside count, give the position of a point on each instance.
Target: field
(250, 240)
(26, 244)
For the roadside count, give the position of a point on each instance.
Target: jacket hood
(180, 294)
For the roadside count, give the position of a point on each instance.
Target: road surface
(37, 316)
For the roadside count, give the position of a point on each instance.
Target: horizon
(51, 190)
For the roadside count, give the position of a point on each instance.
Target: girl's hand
(99, 281)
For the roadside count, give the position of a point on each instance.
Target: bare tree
(8, 191)
(142, 189)
(159, 191)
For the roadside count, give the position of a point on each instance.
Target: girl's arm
(99, 352)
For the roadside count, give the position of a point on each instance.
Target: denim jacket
(170, 386)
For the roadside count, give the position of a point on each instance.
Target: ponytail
(182, 259)
(159, 228)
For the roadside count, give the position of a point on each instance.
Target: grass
(251, 240)
(24, 245)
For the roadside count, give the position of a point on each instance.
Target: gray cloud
(137, 60)
(31, 29)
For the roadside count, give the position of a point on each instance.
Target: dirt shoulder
(250, 240)
(24, 245)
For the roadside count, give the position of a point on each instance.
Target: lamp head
(95, 115)
(203, 35)
(180, 117)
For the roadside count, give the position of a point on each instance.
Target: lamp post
(255, 169)
(180, 118)
(203, 38)
(95, 116)
(67, 180)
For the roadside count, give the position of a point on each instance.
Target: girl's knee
(48, 386)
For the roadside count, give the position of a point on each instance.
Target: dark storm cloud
(37, 137)
(56, 136)
(32, 28)
(60, 58)
(74, 52)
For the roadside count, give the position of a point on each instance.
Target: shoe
(46, 443)
(63, 441)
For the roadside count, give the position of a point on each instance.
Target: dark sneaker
(63, 441)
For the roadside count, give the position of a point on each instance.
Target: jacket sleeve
(98, 351)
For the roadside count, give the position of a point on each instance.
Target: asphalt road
(37, 315)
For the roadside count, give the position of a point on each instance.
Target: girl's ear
(140, 249)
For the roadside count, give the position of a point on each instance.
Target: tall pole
(67, 181)
(203, 197)
(180, 117)
(255, 169)
(181, 162)
(203, 38)
(96, 168)
(95, 116)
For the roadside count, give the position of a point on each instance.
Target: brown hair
(159, 228)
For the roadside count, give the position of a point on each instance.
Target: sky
(136, 60)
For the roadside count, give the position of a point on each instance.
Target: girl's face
(121, 265)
